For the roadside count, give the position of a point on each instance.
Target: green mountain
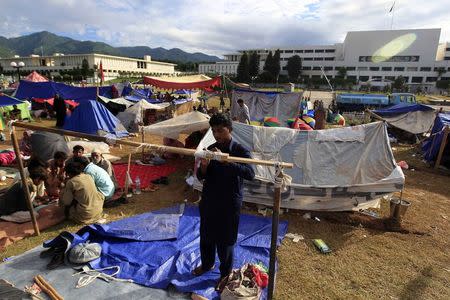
(48, 43)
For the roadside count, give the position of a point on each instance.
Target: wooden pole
(441, 149)
(126, 187)
(24, 181)
(154, 147)
(273, 242)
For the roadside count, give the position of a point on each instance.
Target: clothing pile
(245, 283)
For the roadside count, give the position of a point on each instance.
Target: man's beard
(96, 160)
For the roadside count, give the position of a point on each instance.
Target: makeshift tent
(267, 104)
(92, 117)
(32, 77)
(431, 146)
(7, 102)
(186, 82)
(50, 101)
(186, 123)
(340, 169)
(45, 144)
(45, 90)
(413, 118)
(135, 114)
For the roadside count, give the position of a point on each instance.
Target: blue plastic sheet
(181, 101)
(401, 108)
(45, 90)
(91, 117)
(147, 252)
(431, 145)
(6, 100)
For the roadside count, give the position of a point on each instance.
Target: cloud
(220, 26)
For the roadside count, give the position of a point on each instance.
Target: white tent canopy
(121, 101)
(340, 169)
(185, 123)
(134, 114)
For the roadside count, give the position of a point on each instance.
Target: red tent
(50, 101)
(35, 77)
(177, 84)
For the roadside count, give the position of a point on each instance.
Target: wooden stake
(125, 193)
(24, 180)
(441, 149)
(273, 242)
(154, 147)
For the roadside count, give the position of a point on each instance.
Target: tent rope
(93, 274)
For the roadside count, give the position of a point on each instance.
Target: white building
(112, 65)
(415, 54)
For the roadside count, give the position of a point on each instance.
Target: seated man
(101, 178)
(77, 151)
(80, 199)
(35, 163)
(14, 199)
(15, 114)
(56, 175)
(98, 159)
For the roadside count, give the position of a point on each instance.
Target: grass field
(367, 262)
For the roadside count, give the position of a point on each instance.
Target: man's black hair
(38, 173)
(60, 155)
(240, 100)
(36, 162)
(74, 168)
(81, 160)
(220, 119)
(77, 148)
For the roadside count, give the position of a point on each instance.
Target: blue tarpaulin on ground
(161, 248)
(6, 100)
(431, 145)
(92, 117)
(402, 108)
(45, 90)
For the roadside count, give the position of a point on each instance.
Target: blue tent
(6, 100)
(92, 117)
(402, 108)
(45, 90)
(183, 92)
(431, 146)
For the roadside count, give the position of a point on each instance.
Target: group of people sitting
(80, 184)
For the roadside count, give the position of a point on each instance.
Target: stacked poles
(223, 156)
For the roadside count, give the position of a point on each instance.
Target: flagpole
(393, 12)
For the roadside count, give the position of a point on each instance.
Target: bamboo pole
(441, 149)
(274, 238)
(154, 147)
(24, 180)
(126, 187)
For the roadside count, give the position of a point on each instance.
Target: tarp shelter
(45, 90)
(186, 123)
(45, 144)
(185, 82)
(135, 114)
(284, 106)
(339, 169)
(115, 105)
(92, 117)
(413, 118)
(51, 100)
(7, 102)
(431, 146)
(32, 77)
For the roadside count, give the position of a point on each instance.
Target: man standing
(221, 199)
(243, 114)
(59, 106)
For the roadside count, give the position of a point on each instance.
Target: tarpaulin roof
(185, 123)
(92, 117)
(160, 248)
(402, 108)
(134, 114)
(50, 101)
(431, 146)
(335, 169)
(45, 90)
(262, 104)
(35, 77)
(182, 92)
(6, 100)
(181, 83)
(121, 101)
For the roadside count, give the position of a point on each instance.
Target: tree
(254, 64)
(399, 84)
(294, 66)
(275, 66)
(440, 71)
(268, 62)
(243, 69)
(342, 72)
(85, 68)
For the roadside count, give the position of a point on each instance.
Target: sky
(218, 26)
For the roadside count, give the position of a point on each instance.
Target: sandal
(199, 270)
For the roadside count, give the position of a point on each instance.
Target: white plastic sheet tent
(267, 104)
(134, 114)
(186, 123)
(340, 169)
(121, 101)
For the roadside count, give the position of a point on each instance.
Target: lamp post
(18, 66)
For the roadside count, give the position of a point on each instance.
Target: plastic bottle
(137, 184)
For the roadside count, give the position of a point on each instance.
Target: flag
(102, 75)
(392, 7)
